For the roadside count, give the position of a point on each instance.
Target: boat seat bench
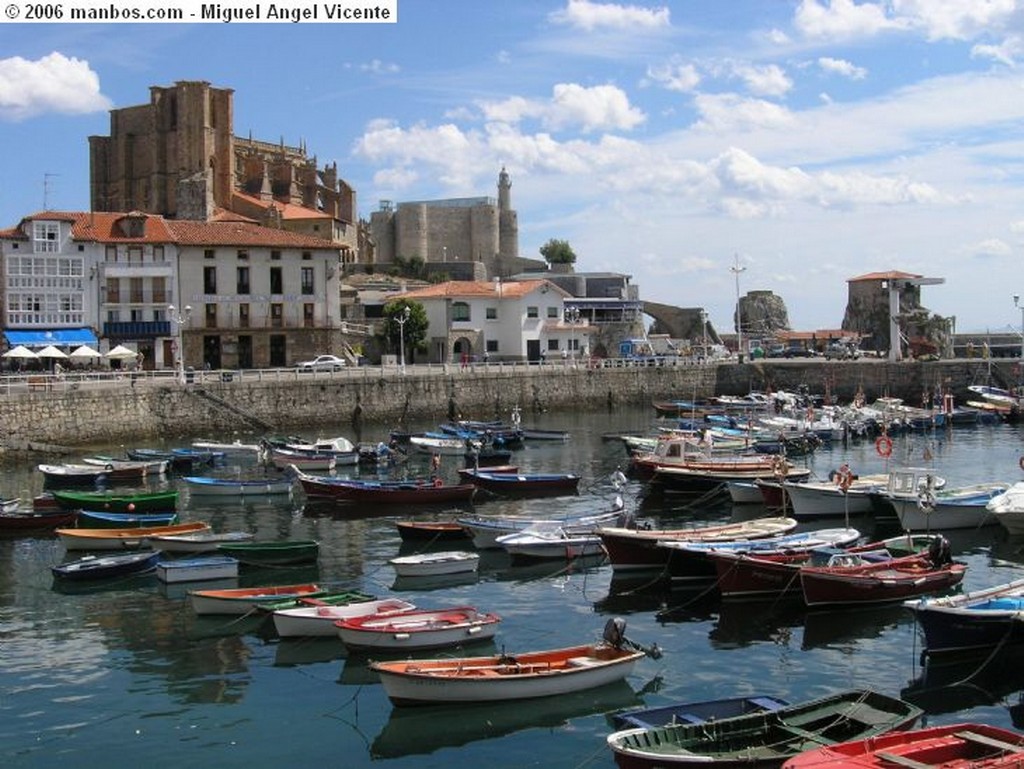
(981, 739)
(910, 763)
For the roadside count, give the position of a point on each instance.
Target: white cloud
(598, 108)
(731, 112)
(991, 248)
(842, 67)
(379, 67)
(843, 19)
(54, 83)
(764, 80)
(956, 19)
(589, 16)
(674, 76)
(1007, 52)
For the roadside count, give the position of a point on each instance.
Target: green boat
(275, 553)
(132, 502)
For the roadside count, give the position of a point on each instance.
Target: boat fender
(883, 445)
(926, 501)
(109, 467)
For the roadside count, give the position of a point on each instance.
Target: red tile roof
(188, 233)
(890, 275)
(288, 210)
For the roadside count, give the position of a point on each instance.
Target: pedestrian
(435, 465)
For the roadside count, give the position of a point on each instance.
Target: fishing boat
(505, 677)
(182, 459)
(1008, 508)
(130, 502)
(715, 472)
(521, 484)
(106, 566)
(99, 519)
(919, 503)
(35, 520)
(434, 564)
(202, 485)
(423, 491)
(690, 561)
(430, 531)
(861, 582)
(810, 500)
(202, 568)
(317, 619)
(340, 447)
(977, 621)
(549, 539)
(243, 600)
(417, 629)
(70, 475)
(272, 553)
(283, 458)
(952, 746)
(234, 447)
(484, 530)
(636, 550)
(696, 712)
(129, 468)
(134, 538)
(763, 740)
(746, 576)
(197, 542)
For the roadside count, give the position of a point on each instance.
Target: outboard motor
(939, 552)
(615, 632)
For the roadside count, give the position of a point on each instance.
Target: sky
(704, 148)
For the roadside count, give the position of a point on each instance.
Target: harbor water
(98, 674)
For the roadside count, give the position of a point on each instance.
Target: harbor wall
(375, 400)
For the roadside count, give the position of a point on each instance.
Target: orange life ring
(883, 445)
(844, 478)
(438, 483)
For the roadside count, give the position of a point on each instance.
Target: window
(211, 316)
(45, 237)
(275, 256)
(553, 313)
(209, 280)
(111, 253)
(460, 311)
(209, 253)
(134, 254)
(553, 345)
(276, 315)
(242, 286)
(158, 253)
(159, 290)
(307, 280)
(135, 286)
(491, 313)
(492, 345)
(113, 291)
(243, 315)
(276, 281)
(307, 256)
(307, 315)
(531, 312)
(243, 253)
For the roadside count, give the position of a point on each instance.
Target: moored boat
(36, 520)
(549, 539)
(434, 564)
(272, 553)
(1008, 508)
(238, 601)
(484, 530)
(696, 712)
(122, 539)
(425, 491)
(202, 568)
(206, 541)
(417, 629)
(99, 519)
(868, 583)
(130, 502)
(317, 619)
(430, 531)
(763, 740)
(522, 484)
(203, 485)
(106, 566)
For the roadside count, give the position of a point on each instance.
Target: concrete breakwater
(372, 401)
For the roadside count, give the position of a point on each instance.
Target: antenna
(46, 190)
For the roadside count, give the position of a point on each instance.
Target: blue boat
(105, 566)
(100, 519)
(696, 712)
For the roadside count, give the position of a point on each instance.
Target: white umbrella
(120, 353)
(85, 351)
(21, 351)
(51, 352)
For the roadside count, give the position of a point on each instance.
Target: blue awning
(58, 337)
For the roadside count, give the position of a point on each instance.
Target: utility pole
(736, 270)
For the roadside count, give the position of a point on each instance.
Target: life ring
(926, 501)
(883, 445)
(438, 483)
(844, 478)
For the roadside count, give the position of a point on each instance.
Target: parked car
(322, 363)
(775, 351)
(800, 352)
(841, 351)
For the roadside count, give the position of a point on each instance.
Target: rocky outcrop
(763, 313)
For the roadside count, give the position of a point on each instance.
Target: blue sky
(811, 140)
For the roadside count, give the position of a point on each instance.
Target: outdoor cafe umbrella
(21, 351)
(120, 353)
(51, 352)
(85, 351)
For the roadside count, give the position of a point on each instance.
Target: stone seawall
(375, 401)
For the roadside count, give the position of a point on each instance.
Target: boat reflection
(843, 628)
(290, 652)
(423, 730)
(632, 595)
(979, 680)
(744, 623)
(434, 582)
(558, 568)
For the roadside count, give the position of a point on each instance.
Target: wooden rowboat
(198, 541)
(203, 568)
(105, 566)
(240, 601)
(416, 629)
(138, 502)
(696, 712)
(202, 485)
(433, 564)
(275, 553)
(430, 531)
(99, 519)
(121, 539)
(317, 619)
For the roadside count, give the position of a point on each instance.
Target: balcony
(137, 329)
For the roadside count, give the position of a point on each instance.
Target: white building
(522, 320)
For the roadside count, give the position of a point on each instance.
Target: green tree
(410, 334)
(558, 252)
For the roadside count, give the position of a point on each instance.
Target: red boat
(637, 550)
(428, 531)
(746, 576)
(877, 582)
(413, 492)
(32, 520)
(955, 746)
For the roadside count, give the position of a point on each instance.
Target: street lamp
(572, 317)
(1017, 304)
(400, 320)
(180, 319)
(736, 270)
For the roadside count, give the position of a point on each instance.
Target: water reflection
(967, 682)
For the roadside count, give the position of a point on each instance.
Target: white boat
(317, 619)
(303, 460)
(142, 466)
(484, 530)
(1008, 508)
(433, 564)
(827, 499)
(549, 539)
(418, 629)
(197, 542)
(197, 569)
(203, 485)
(745, 493)
(235, 447)
(341, 448)
(244, 601)
(920, 506)
(430, 444)
(505, 677)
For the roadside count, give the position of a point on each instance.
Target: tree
(558, 252)
(412, 333)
